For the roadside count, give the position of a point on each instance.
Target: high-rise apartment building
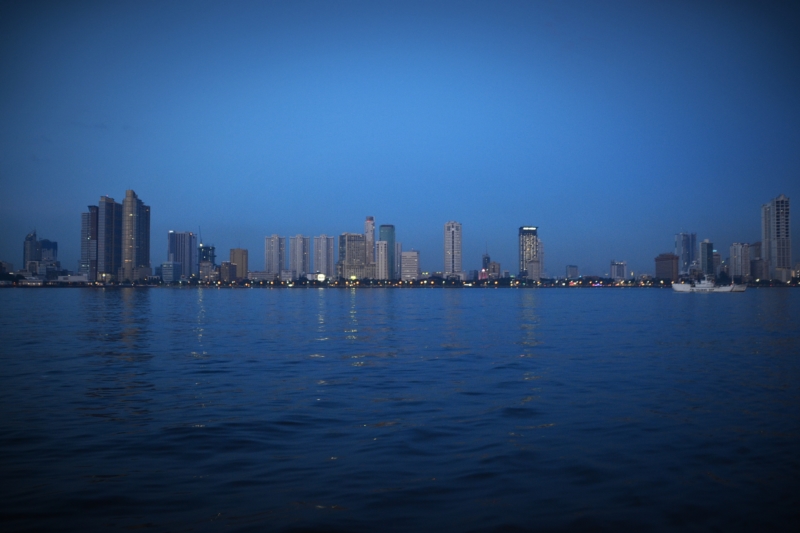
(274, 254)
(667, 267)
(182, 248)
(352, 262)
(386, 234)
(369, 234)
(300, 255)
(109, 239)
(409, 266)
(686, 250)
(239, 258)
(135, 238)
(739, 266)
(382, 260)
(324, 256)
(531, 256)
(776, 238)
(88, 261)
(452, 249)
(707, 258)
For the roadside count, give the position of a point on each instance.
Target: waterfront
(358, 410)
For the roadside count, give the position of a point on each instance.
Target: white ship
(705, 285)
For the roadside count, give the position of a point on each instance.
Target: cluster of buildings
(115, 248)
(770, 258)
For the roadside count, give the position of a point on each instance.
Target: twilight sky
(610, 125)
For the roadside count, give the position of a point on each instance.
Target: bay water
(305, 409)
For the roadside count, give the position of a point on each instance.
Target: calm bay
(186, 409)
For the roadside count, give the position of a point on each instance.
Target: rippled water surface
(399, 410)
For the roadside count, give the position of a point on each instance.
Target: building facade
(739, 266)
(707, 258)
(409, 266)
(369, 235)
(531, 257)
(182, 248)
(88, 262)
(452, 249)
(274, 254)
(352, 262)
(572, 272)
(239, 258)
(135, 238)
(300, 255)
(382, 260)
(324, 256)
(618, 270)
(386, 233)
(667, 267)
(109, 239)
(776, 238)
(686, 250)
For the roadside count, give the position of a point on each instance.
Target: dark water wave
(463, 410)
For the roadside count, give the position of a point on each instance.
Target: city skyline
(613, 127)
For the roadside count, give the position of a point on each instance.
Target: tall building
(618, 269)
(88, 261)
(32, 250)
(48, 250)
(410, 266)
(686, 250)
(207, 254)
(572, 271)
(452, 249)
(135, 238)
(382, 260)
(386, 234)
(776, 238)
(739, 266)
(531, 256)
(109, 239)
(667, 267)
(352, 262)
(369, 234)
(323, 256)
(707, 258)
(239, 258)
(398, 259)
(485, 260)
(274, 254)
(182, 248)
(300, 255)
(228, 272)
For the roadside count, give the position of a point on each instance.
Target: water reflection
(529, 320)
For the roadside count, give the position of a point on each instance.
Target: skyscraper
(386, 233)
(135, 238)
(382, 260)
(369, 234)
(182, 248)
(776, 238)
(531, 256)
(452, 249)
(300, 255)
(686, 250)
(739, 266)
(32, 249)
(88, 261)
(572, 271)
(239, 258)
(109, 239)
(398, 259)
(707, 258)
(274, 254)
(352, 256)
(323, 256)
(207, 253)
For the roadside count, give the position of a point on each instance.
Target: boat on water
(705, 285)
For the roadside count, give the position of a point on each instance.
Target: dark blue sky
(611, 126)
